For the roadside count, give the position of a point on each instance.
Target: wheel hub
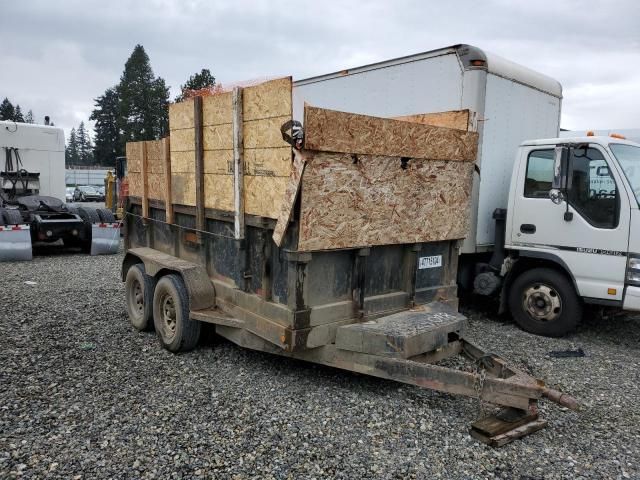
(169, 314)
(542, 302)
(138, 296)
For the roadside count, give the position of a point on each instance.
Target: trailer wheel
(176, 331)
(106, 215)
(543, 301)
(139, 297)
(89, 215)
(12, 217)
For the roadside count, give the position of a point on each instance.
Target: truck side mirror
(560, 168)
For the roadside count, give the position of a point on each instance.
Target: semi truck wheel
(176, 331)
(89, 215)
(106, 215)
(12, 217)
(139, 297)
(543, 301)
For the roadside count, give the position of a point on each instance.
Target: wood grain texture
(219, 190)
(155, 156)
(135, 184)
(290, 195)
(263, 195)
(333, 131)
(268, 99)
(134, 159)
(376, 202)
(265, 133)
(183, 188)
(181, 115)
(216, 109)
(458, 119)
(182, 140)
(183, 162)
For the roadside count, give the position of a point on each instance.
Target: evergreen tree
(17, 116)
(28, 118)
(71, 151)
(197, 81)
(143, 100)
(7, 112)
(83, 145)
(106, 133)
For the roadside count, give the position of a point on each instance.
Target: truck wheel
(1, 217)
(177, 332)
(89, 215)
(106, 215)
(12, 217)
(139, 297)
(543, 301)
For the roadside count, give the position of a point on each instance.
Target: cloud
(57, 57)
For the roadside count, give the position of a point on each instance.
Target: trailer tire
(12, 217)
(106, 215)
(88, 215)
(139, 297)
(544, 302)
(176, 331)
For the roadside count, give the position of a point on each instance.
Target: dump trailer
(32, 184)
(332, 238)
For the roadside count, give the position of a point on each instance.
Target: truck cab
(571, 235)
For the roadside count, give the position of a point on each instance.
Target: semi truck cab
(571, 232)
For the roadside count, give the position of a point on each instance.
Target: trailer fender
(157, 264)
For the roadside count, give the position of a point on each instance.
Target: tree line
(14, 113)
(133, 110)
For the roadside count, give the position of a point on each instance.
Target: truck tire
(1, 217)
(176, 331)
(139, 297)
(106, 215)
(88, 215)
(12, 217)
(543, 301)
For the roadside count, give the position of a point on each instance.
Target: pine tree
(7, 112)
(84, 146)
(28, 118)
(143, 100)
(71, 150)
(17, 115)
(197, 81)
(106, 133)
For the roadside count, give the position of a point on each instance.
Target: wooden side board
(379, 200)
(458, 119)
(334, 131)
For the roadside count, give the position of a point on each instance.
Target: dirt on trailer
(84, 395)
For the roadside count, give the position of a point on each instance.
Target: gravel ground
(83, 395)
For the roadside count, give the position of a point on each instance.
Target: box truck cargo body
(509, 104)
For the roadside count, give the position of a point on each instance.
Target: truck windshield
(629, 158)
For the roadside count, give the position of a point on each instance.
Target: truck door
(588, 233)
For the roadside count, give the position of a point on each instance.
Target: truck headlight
(633, 270)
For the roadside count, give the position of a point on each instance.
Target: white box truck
(547, 259)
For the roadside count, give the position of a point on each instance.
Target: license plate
(430, 262)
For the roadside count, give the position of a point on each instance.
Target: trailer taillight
(478, 63)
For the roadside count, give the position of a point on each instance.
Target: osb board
(183, 162)
(217, 109)
(375, 202)
(155, 157)
(135, 183)
(183, 188)
(182, 140)
(268, 99)
(458, 119)
(265, 133)
(133, 151)
(181, 115)
(155, 186)
(218, 137)
(218, 191)
(263, 195)
(333, 131)
(268, 162)
(290, 196)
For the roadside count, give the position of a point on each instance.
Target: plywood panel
(155, 182)
(265, 133)
(218, 161)
(183, 188)
(182, 140)
(218, 137)
(155, 156)
(216, 109)
(181, 115)
(268, 99)
(333, 131)
(290, 195)
(218, 191)
(183, 162)
(263, 195)
(135, 184)
(458, 119)
(268, 162)
(134, 156)
(374, 201)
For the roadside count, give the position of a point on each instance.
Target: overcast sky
(56, 57)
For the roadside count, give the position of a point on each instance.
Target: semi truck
(391, 202)
(32, 193)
